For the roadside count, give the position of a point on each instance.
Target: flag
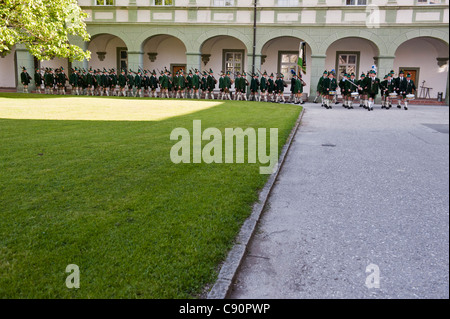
(302, 57)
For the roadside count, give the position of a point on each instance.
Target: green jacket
(195, 82)
(25, 78)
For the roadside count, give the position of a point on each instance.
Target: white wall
(421, 53)
(170, 51)
(8, 72)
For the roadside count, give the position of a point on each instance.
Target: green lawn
(104, 195)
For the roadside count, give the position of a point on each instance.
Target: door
(414, 76)
(178, 67)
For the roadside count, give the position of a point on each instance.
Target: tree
(44, 27)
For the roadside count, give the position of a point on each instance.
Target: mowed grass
(104, 195)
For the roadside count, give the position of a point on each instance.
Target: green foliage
(44, 27)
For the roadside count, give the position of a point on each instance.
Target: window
(356, 2)
(223, 3)
(163, 2)
(347, 63)
(105, 2)
(122, 60)
(288, 62)
(287, 3)
(233, 61)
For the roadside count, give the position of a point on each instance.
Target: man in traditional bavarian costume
(164, 84)
(153, 85)
(211, 84)
(83, 81)
(25, 79)
(389, 89)
(98, 82)
(263, 86)
(123, 83)
(330, 85)
(182, 84)
(271, 87)
(373, 86)
(196, 84)
(320, 89)
(38, 80)
(383, 91)
(237, 86)
(113, 82)
(410, 88)
(189, 85)
(73, 81)
(227, 85)
(204, 84)
(221, 86)
(343, 91)
(254, 87)
(280, 85)
(145, 83)
(351, 87)
(401, 86)
(130, 84)
(138, 83)
(362, 83)
(104, 83)
(62, 78)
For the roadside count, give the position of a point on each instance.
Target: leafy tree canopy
(44, 27)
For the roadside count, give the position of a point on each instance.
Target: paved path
(357, 188)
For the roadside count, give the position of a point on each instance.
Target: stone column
(193, 61)
(317, 68)
(24, 59)
(135, 60)
(384, 66)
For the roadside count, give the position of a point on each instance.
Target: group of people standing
(194, 84)
(366, 89)
(249, 87)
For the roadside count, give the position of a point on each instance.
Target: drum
(332, 92)
(410, 96)
(354, 94)
(393, 94)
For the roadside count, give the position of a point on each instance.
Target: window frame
(224, 61)
(358, 62)
(119, 59)
(164, 3)
(280, 63)
(104, 3)
(214, 3)
(357, 3)
(290, 4)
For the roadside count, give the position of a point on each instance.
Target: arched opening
(224, 53)
(426, 59)
(352, 54)
(164, 51)
(108, 51)
(280, 55)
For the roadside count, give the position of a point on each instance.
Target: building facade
(222, 35)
